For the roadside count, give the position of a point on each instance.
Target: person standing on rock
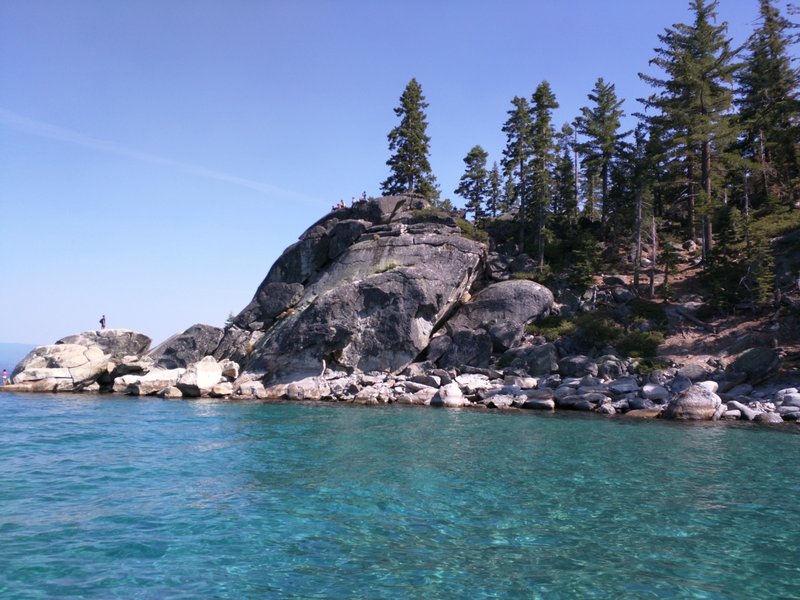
(103, 322)
(5, 377)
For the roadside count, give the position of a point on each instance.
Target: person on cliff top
(103, 322)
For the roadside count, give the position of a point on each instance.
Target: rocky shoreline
(101, 362)
(394, 301)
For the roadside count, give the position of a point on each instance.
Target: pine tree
(516, 158)
(474, 183)
(770, 108)
(693, 108)
(409, 143)
(600, 126)
(494, 199)
(543, 160)
(565, 193)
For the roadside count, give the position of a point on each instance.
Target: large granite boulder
(536, 360)
(696, 403)
(503, 309)
(78, 362)
(114, 342)
(183, 349)
(757, 364)
(151, 383)
(375, 305)
(493, 320)
(200, 377)
(60, 368)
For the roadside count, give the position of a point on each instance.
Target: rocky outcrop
(389, 302)
(492, 321)
(389, 281)
(188, 347)
(756, 364)
(79, 362)
(61, 368)
(116, 343)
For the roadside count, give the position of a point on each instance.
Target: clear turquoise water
(125, 498)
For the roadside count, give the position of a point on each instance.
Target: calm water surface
(125, 498)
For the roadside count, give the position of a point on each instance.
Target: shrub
(599, 329)
(552, 327)
(640, 343)
(646, 310)
(470, 231)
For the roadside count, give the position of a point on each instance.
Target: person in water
(103, 322)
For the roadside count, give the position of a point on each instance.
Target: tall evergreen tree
(600, 125)
(409, 144)
(494, 198)
(565, 192)
(693, 107)
(770, 108)
(543, 160)
(517, 156)
(474, 183)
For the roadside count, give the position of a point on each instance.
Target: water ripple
(146, 499)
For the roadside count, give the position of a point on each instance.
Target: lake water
(113, 497)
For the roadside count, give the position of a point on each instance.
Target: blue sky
(157, 156)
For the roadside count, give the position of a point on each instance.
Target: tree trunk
(521, 208)
(652, 291)
(638, 253)
(763, 162)
(541, 233)
(604, 191)
(690, 202)
(705, 179)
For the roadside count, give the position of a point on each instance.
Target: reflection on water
(149, 499)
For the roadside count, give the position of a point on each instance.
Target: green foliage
(600, 127)
(494, 197)
(552, 327)
(669, 259)
(740, 268)
(652, 312)
(409, 144)
(768, 108)
(431, 212)
(640, 343)
(691, 108)
(474, 183)
(774, 223)
(472, 232)
(586, 259)
(650, 364)
(540, 275)
(599, 329)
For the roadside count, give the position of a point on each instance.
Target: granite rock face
(493, 321)
(78, 362)
(364, 288)
(114, 342)
(696, 403)
(183, 349)
(61, 368)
